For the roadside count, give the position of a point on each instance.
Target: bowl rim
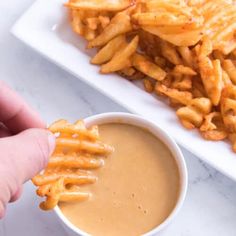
(139, 121)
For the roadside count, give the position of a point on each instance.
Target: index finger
(15, 114)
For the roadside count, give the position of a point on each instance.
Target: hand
(25, 145)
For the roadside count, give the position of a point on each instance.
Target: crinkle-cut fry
(78, 177)
(228, 107)
(211, 75)
(143, 64)
(83, 145)
(118, 61)
(70, 196)
(191, 116)
(65, 128)
(184, 70)
(213, 127)
(119, 24)
(186, 55)
(186, 38)
(53, 195)
(182, 83)
(148, 85)
(232, 138)
(92, 22)
(183, 97)
(74, 161)
(230, 68)
(104, 21)
(101, 5)
(43, 190)
(170, 53)
(109, 50)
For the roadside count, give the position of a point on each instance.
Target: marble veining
(210, 206)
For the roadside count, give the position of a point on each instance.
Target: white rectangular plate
(45, 28)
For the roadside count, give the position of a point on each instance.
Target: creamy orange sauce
(136, 189)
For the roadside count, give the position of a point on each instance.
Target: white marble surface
(210, 206)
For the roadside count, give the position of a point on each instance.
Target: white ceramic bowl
(127, 118)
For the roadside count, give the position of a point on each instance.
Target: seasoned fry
(78, 149)
(144, 65)
(119, 24)
(101, 5)
(191, 116)
(119, 60)
(109, 50)
(213, 127)
(185, 53)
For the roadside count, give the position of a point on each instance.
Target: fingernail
(51, 142)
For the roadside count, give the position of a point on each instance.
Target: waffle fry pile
(77, 151)
(184, 51)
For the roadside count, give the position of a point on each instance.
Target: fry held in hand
(78, 150)
(182, 50)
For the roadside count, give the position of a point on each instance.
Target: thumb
(26, 153)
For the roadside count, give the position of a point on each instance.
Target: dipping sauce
(136, 190)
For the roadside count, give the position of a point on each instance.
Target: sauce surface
(136, 190)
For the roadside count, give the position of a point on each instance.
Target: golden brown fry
(187, 38)
(101, 5)
(66, 165)
(148, 86)
(187, 56)
(183, 97)
(120, 59)
(62, 126)
(184, 70)
(211, 74)
(109, 50)
(119, 24)
(228, 108)
(78, 177)
(230, 68)
(170, 53)
(74, 161)
(84, 146)
(144, 65)
(213, 127)
(191, 116)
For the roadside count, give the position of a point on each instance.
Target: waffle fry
(185, 52)
(78, 150)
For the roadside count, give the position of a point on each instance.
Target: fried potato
(186, 53)
(78, 149)
(144, 65)
(213, 127)
(109, 50)
(119, 24)
(120, 59)
(98, 5)
(187, 38)
(191, 116)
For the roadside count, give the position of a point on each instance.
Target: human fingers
(17, 194)
(22, 156)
